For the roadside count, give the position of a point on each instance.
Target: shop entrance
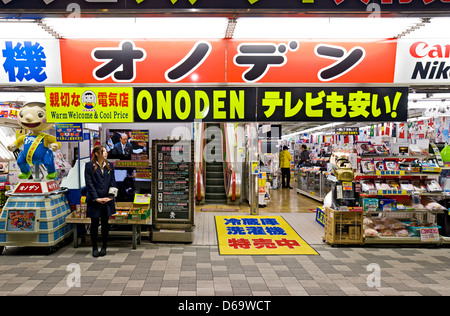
(227, 157)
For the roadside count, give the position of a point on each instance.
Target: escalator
(214, 184)
(217, 182)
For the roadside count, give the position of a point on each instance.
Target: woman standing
(101, 189)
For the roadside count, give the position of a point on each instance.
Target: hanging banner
(333, 104)
(189, 104)
(89, 105)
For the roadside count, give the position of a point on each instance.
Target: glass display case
(313, 182)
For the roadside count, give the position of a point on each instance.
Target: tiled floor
(197, 269)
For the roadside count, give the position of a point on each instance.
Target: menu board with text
(173, 181)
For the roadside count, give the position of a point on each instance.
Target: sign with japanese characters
(346, 130)
(227, 61)
(143, 61)
(172, 185)
(69, 132)
(259, 235)
(185, 104)
(30, 62)
(28, 187)
(315, 6)
(218, 61)
(429, 234)
(333, 104)
(89, 104)
(308, 61)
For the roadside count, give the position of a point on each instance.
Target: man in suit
(123, 148)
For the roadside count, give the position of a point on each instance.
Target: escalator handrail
(229, 173)
(200, 173)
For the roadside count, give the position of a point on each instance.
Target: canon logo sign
(423, 49)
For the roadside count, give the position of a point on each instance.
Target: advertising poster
(21, 221)
(259, 235)
(69, 132)
(89, 104)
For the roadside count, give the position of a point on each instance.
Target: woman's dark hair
(97, 151)
(285, 147)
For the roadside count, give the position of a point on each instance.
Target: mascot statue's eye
(40, 114)
(21, 114)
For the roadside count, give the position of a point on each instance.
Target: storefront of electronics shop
(240, 81)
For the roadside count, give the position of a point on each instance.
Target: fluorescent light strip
(318, 128)
(139, 28)
(322, 28)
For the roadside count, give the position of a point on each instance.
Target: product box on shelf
(387, 205)
(370, 205)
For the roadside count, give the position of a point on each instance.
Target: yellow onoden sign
(89, 104)
(188, 104)
(259, 235)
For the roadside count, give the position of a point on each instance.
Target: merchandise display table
(136, 227)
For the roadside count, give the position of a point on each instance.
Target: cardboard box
(343, 227)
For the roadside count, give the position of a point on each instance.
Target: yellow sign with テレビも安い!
(259, 235)
(89, 104)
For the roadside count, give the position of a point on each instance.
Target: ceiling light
(23, 29)
(322, 28)
(138, 28)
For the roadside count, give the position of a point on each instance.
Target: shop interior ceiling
(304, 27)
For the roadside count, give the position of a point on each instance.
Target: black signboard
(346, 130)
(186, 104)
(173, 181)
(338, 104)
(42, 7)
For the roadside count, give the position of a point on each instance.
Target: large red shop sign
(227, 61)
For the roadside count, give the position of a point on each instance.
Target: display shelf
(399, 240)
(392, 175)
(391, 193)
(405, 211)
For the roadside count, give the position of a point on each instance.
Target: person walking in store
(305, 160)
(101, 190)
(285, 165)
